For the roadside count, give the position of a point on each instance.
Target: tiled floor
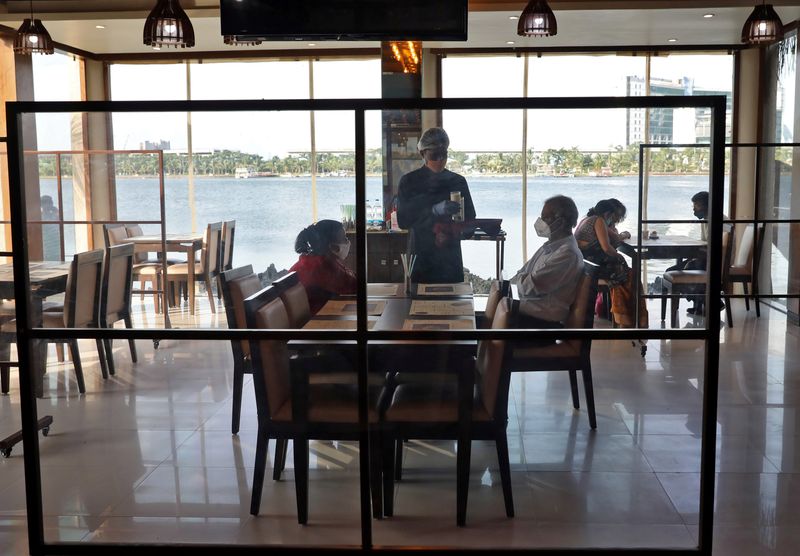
(148, 456)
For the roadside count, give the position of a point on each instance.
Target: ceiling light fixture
(537, 20)
(708, 16)
(99, 26)
(763, 26)
(509, 42)
(32, 37)
(672, 40)
(236, 40)
(168, 25)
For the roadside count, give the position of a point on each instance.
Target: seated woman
(323, 247)
(596, 236)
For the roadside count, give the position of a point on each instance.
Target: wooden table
(46, 278)
(172, 243)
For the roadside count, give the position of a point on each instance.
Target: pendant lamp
(763, 26)
(32, 37)
(537, 20)
(168, 25)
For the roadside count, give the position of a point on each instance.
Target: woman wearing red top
(323, 247)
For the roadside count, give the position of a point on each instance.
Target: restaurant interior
(169, 378)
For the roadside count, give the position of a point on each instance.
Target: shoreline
(571, 176)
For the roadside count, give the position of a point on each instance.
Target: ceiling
(581, 23)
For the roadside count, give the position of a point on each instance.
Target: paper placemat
(430, 324)
(384, 290)
(461, 288)
(442, 308)
(337, 307)
(339, 324)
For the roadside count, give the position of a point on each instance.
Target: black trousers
(528, 321)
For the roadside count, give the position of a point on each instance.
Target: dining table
(46, 278)
(188, 243)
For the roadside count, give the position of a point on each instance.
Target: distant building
(668, 125)
(159, 145)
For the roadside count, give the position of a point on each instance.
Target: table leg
(39, 348)
(190, 278)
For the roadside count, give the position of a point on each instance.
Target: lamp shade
(168, 25)
(763, 26)
(32, 38)
(537, 20)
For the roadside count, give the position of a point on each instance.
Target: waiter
(425, 208)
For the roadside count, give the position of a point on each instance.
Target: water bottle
(368, 214)
(377, 214)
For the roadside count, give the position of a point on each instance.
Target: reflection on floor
(148, 456)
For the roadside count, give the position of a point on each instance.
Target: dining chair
(571, 355)
(115, 296)
(473, 407)
(81, 308)
(237, 285)
(144, 270)
(742, 268)
(295, 298)
(693, 282)
(497, 290)
(208, 266)
(226, 249)
(292, 407)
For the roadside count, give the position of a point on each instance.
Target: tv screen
(345, 19)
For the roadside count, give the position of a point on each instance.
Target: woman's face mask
(341, 250)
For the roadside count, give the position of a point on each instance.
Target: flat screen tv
(347, 20)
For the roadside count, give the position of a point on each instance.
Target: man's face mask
(699, 213)
(436, 155)
(542, 228)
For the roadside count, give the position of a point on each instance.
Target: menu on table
(460, 308)
(460, 288)
(339, 307)
(385, 290)
(433, 324)
(337, 324)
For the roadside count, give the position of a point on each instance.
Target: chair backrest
(491, 354)
(114, 234)
(295, 298)
(115, 298)
(728, 239)
(209, 256)
(744, 251)
(135, 230)
(270, 358)
(237, 285)
(497, 290)
(82, 296)
(581, 312)
(228, 233)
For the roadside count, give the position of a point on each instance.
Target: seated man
(547, 282)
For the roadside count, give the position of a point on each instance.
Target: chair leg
(589, 392)
(501, 442)
(376, 478)
(301, 478)
(746, 296)
(281, 446)
(756, 300)
(262, 446)
(210, 293)
(464, 452)
(389, 448)
(5, 370)
(398, 459)
(728, 311)
(573, 386)
(131, 342)
(76, 362)
(109, 345)
(674, 302)
(101, 356)
(60, 352)
(663, 302)
(238, 385)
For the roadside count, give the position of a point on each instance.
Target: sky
(270, 134)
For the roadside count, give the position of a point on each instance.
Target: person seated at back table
(547, 282)
(323, 247)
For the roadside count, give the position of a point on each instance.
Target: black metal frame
(26, 334)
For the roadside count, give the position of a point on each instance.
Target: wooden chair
(742, 268)
(237, 285)
(571, 355)
(498, 289)
(290, 407)
(474, 407)
(226, 249)
(115, 297)
(295, 299)
(676, 282)
(207, 268)
(144, 270)
(81, 309)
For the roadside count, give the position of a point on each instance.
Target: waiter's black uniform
(437, 261)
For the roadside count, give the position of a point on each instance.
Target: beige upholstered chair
(295, 299)
(497, 290)
(208, 267)
(421, 409)
(226, 250)
(570, 355)
(742, 270)
(143, 271)
(290, 407)
(115, 298)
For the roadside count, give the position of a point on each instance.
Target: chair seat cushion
(182, 269)
(685, 276)
(558, 350)
(53, 319)
(423, 402)
(9, 327)
(740, 272)
(147, 269)
(332, 403)
(8, 307)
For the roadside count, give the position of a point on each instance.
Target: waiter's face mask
(436, 155)
(340, 250)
